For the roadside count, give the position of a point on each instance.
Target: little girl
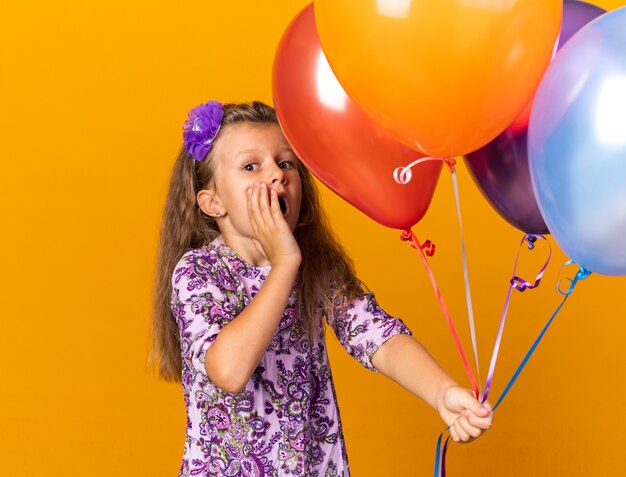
(247, 270)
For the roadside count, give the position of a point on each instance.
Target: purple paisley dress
(285, 422)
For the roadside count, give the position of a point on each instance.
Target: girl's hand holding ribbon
(465, 415)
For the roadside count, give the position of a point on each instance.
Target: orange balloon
(444, 76)
(339, 143)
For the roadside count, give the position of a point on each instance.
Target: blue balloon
(577, 145)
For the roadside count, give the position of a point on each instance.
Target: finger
(455, 436)
(481, 411)
(250, 213)
(483, 423)
(254, 206)
(467, 427)
(275, 205)
(468, 401)
(264, 202)
(462, 433)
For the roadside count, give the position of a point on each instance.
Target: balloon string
(515, 283)
(402, 175)
(582, 273)
(438, 454)
(468, 295)
(443, 456)
(409, 236)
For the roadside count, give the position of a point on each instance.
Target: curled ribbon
(403, 175)
(520, 285)
(581, 274)
(427, 247)
(409, 236)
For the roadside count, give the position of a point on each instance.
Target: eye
(250, 166)
(286, 164)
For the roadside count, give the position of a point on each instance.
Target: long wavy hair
(185, 227)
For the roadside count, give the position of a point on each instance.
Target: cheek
(239, 201)
(234, 193)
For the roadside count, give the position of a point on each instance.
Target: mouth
(283, 205)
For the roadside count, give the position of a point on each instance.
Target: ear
(209, 202)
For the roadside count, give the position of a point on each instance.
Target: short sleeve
(362, 327)
(205, 297)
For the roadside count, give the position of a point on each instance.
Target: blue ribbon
(440, 465)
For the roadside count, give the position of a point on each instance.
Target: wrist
(287, 263)
(444, 389)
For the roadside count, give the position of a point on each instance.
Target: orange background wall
(92, 98)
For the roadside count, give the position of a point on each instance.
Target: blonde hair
(185, 227)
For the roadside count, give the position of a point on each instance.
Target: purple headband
(200, 129)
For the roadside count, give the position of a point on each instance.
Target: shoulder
(198, 261)
(364, 303)
(205, 267)
(371, 305)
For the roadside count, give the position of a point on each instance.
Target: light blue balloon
(577, 145)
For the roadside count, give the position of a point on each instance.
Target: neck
(246, 247)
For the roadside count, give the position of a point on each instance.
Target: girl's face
(248, 153)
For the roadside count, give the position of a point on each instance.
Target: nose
(277, 175)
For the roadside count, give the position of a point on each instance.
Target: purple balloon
(575, 16)
(500, 169)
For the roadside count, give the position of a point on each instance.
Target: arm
(382, 342)
(240, 345)
(404, 360)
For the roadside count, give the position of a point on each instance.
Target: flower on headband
(200, 129)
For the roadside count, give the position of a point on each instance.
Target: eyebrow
(252, 151)
(246, 151)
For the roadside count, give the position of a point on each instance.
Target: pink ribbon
(428, 248)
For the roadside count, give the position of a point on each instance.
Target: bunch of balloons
(362, 88)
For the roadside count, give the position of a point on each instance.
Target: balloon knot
(406, 235)
(450, 162)
(427, 247)
(583, 273)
